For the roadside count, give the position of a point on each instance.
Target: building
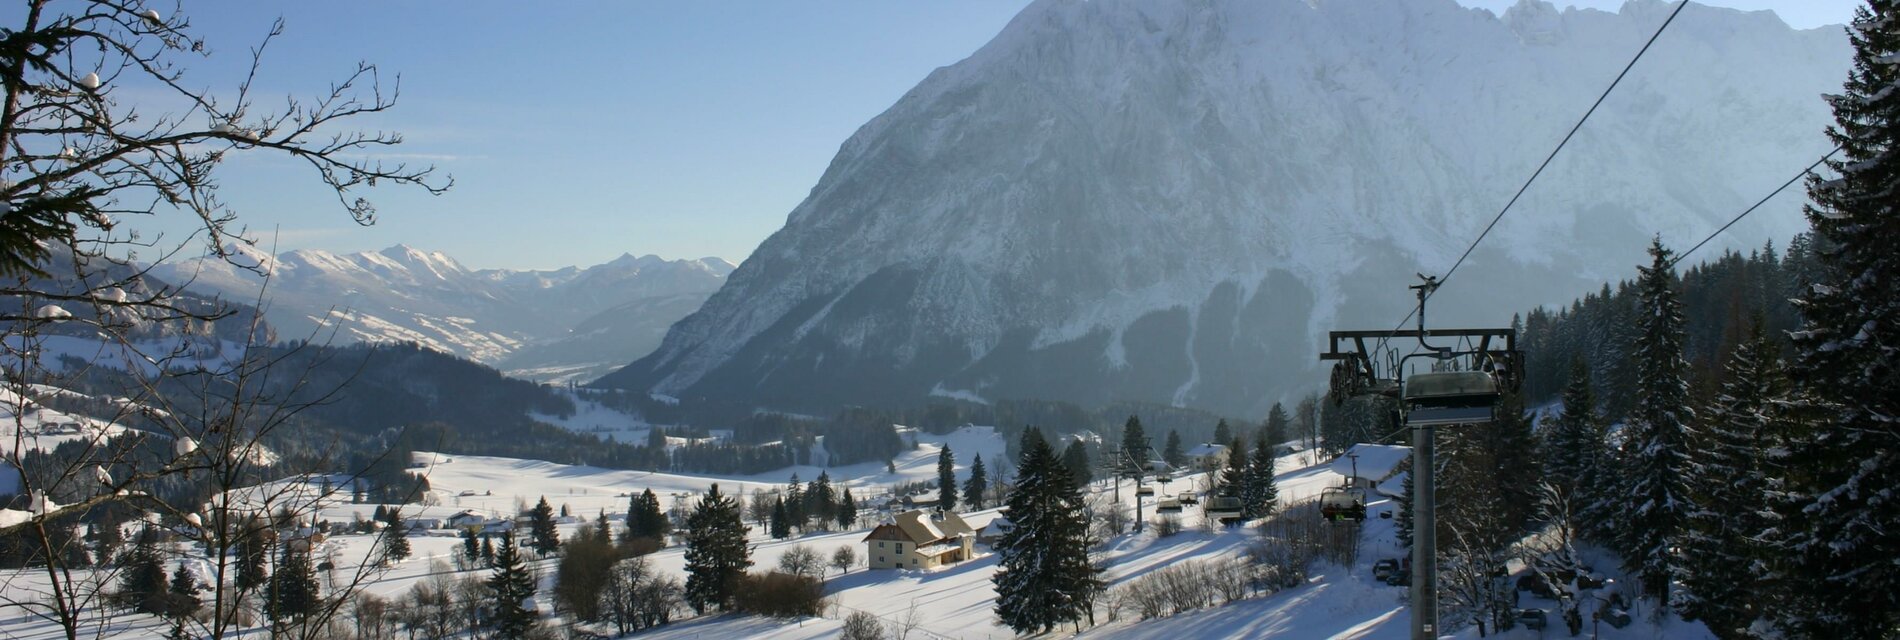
(995, 530)
(1207, 457)
(467, 520)
(917, 540)
(1366, 466)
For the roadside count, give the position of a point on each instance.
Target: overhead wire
(1758, 203)
(1541, 167)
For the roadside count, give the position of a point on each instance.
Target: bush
(862, 626)
(779, 595)
(1167, 525)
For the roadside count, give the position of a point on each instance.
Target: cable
(1545, 164)
(1757, 205)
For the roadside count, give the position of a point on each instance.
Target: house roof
(1207, 449)
(917, 526)
(1375, 461)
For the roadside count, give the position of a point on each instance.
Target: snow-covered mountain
(546, 325)
(1173, 200)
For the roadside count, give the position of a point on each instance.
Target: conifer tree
(542, 536)
(395, 538)
(471, 547)
(973, 488)
(1724, 554)
(488, 551)
(1233, 478)
(1655, 496)
(1260, 496)
(946, 479)
(292, 593)
(1570, 438)
(848, 509)
(1277, 424)
(1404, 527)
(181, 600)
(1172, 451)
(781, 526)
(513, 587)
(1044, 576)
(716, 552)
(1840, 514)
(1076, 458)
(647, 519)
(1223, 434)
(142, 583)
(795, 504)
(1134, 446)
(821, 500)
(253, 557)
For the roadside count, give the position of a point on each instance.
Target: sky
(576, 132)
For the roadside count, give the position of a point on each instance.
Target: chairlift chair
(1450, 397)
(1145, 492)
(1168, 505)
(1343, 503)
(1223, 509)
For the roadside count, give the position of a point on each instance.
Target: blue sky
(579, 131)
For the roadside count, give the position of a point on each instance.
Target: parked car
(1383, 569)
(1532, 618)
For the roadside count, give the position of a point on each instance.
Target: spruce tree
(1223, 434)
(848, 508)
(1076, 458)
(471, 547)
(974, 488)
(513, 587)
(1044, 577)
(1840, 511)
(488, 550)
(1724, 552)
(1403, 528)
(647, 519)
(716, 552)
(946, 479)
(1568, 438)
(395, 538)
(292, 594)
(781, 524)
(795, 504)
(181, 601)
(1233, 478)
(1260, 496)
(1172, 451)
(253, 555)
(542, 536)
(142, 583)
(1277, 424)
(1134, 447)
(1655, 496)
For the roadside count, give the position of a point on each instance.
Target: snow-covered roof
(1394, 486)
(1375, 461)
(1207, 449)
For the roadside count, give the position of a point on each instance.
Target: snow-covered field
(951, 602)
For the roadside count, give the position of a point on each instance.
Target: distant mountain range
(1172, 201)
(571, 323)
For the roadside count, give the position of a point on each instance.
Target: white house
(1369, 465)
(917, 540)
(467, 520)
(1207, 457)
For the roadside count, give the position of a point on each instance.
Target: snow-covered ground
(951, 602)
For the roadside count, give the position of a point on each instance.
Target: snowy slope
(1129, 199)
(548, 324)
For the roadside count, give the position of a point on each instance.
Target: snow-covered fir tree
(1724, 555)
(1044, 577)
(1844, 527)
(1654, 500)
(1233, 477)
(542, 536)
(513, 587)
(1172, 451)
(976, 486)
(1259, 497)
(716, 551)
(292, 594)
(946, 479)
(1076, 458)
(1574, 450)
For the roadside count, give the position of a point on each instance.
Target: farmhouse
(1367, 466)
(1207, 457)
(916, 540)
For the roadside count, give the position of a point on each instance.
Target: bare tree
(844, 558)
(198, 392)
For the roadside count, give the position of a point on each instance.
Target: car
(1533, 619)
(1383, 569)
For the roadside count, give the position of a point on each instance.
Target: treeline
(1724, 296)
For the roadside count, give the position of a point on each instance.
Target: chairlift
(1450, 397)
(1223, 509)
(1145, 492)
(1168, 505)
(1343, 503)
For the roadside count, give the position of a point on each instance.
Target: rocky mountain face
(543, 325)
(1173, 201)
